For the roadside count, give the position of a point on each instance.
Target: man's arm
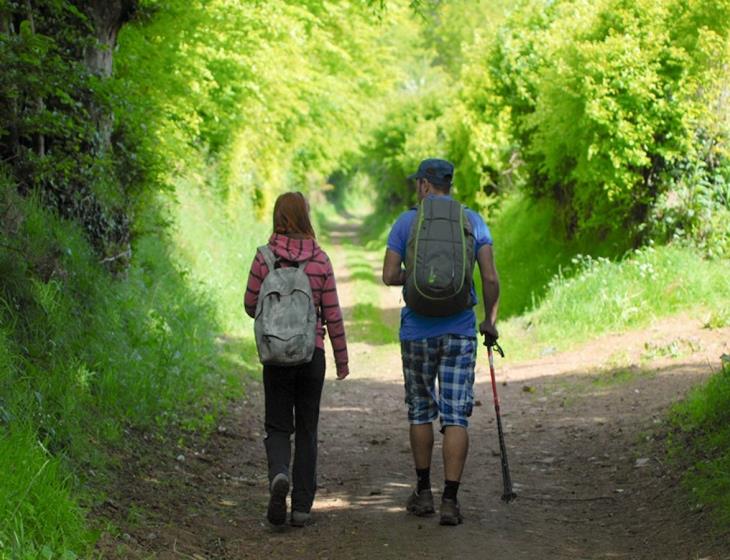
(490, 291)
(393, 274)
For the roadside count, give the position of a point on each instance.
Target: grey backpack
(286, 321)
(439, 259)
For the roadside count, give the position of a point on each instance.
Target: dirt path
(583, 430)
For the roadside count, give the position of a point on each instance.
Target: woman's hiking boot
(299, 518)
(420, 503)
(276, 514)
(450, 513)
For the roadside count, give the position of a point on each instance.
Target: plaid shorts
(451, 359)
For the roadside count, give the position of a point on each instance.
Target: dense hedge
(617, 109)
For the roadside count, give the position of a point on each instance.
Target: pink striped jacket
(322, 280)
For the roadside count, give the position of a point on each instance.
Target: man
(442, 347)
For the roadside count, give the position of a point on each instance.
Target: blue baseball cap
(436, 171)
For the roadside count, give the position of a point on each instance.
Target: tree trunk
(108, 16)
(7, 28)
(40, 106)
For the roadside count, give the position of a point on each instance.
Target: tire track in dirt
(584, 434)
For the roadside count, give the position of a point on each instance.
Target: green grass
(40, 517)
(605, 296)
(368, 324)
(530, 248)
(217, 243)
(84, 355)
(702, 440)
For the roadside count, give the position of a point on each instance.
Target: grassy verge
(41, 518)
(368, 324)
(530, 249)
(702, 441)
(83, 356)
(217, 243)
(603, 296)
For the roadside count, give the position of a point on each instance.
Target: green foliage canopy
(275, 93)
(611, 107)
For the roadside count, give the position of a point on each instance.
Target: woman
(292, 394)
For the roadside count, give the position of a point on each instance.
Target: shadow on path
(576, 447)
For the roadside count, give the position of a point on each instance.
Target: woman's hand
(343, 371)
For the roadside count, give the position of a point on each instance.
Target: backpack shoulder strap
(467, 222)
(269, 257)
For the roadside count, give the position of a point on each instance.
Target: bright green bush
(619, 108)
(613, 109)
(412, 131)
(498, 88)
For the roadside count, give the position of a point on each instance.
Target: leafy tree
(273, 93)
(56, 136)
(615, 110)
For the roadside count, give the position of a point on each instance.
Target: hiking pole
(509, 494)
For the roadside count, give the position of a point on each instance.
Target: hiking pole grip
(509, 493)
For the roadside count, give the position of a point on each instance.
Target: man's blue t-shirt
(414, 326)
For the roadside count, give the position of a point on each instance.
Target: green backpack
(439, 259)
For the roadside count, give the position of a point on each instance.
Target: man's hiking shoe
(299, 518)
(420, 503)
(450, 514)
(276, 514)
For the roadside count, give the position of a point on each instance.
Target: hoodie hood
(293, 250)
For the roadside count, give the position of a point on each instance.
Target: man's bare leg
(422, 444)
(455, 449)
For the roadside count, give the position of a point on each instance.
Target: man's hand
(489, 331)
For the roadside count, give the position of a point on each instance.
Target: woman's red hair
(291, 215)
